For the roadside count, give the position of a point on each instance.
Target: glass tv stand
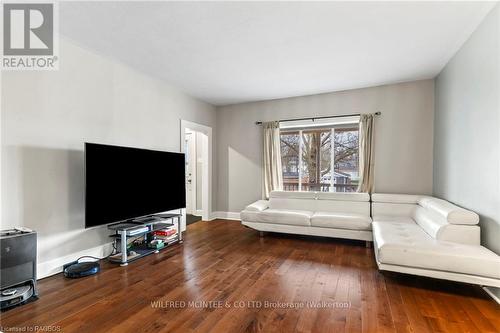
(142, 228)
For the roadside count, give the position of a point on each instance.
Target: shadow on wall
(238, 165)
(52, 201)
(490, 231)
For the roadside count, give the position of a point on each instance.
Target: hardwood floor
(226, 264)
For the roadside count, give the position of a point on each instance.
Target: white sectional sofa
(412, 234)
(340, 215)
(431, 237)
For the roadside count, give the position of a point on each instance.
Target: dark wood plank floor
(231, 269)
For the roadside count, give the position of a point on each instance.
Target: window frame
(351, 124)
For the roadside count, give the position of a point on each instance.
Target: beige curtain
(366, 152)
(273, 177)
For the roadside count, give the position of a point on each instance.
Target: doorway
(193, 148)
(196, 144)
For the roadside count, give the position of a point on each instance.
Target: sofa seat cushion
(341, 221)
(281, 216)
(406, 244)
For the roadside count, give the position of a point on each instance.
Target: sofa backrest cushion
(293, 195)
(429, 221)
(437, 227)
(343, 196)
(380, 209)
(339, 202)
(450, 212)
(340, 206)
(384, 204)
(292, 200)
(357, 203)
(397, 198)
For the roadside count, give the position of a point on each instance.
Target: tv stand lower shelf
(145, 229)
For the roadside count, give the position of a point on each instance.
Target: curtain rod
(325, 117)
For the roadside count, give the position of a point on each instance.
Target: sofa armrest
(258, 206)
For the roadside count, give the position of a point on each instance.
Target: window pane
(325, 161)
(316, 145)
(290, 160)
(346, 160)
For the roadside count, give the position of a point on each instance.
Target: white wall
(467, 129)
(404, 137)
(46, 118)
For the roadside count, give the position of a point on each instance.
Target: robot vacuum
(81, 269)
(15, 296)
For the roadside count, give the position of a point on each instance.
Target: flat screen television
(123, 183)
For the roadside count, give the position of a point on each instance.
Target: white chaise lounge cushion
(290, 217)
(406, 244)
(450, 212)
(341, 221)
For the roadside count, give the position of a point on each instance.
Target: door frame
(193, 165)
(206, 186)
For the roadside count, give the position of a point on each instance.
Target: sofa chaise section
(431, 237)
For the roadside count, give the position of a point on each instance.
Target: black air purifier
(17, 267)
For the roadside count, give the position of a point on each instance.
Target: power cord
(109, 255)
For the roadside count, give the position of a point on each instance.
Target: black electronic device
(17, 267)
(123, 183)
(78, 269)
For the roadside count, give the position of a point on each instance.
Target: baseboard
(198, 212)
(492, 294)
(54, 266)
(225, 216)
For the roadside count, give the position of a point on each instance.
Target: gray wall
(467, 129)
(403, 148)
(46, 118)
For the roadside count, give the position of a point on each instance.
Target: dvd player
(137, 231)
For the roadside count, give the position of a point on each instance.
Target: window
(320, 158)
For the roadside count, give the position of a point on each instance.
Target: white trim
(198, 212)
(206, 186)
(54, 266)
(225, 216)
(492, 294)
(193, 165)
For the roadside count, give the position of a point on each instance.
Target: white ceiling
(232, 52)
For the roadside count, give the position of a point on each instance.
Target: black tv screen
(123, 183)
